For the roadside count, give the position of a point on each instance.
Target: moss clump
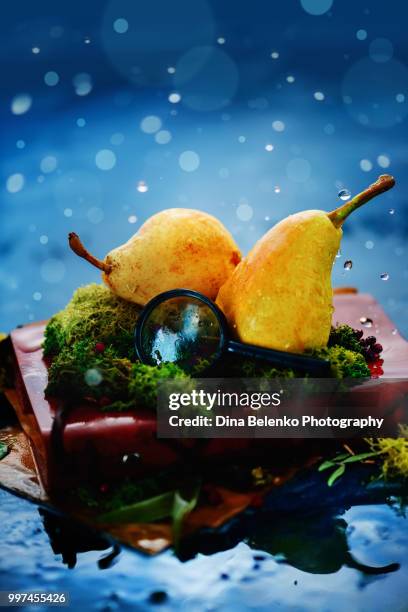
(393, 454)
(79, 373)
(347, 337)
(75, 371)
(93, 314)
(344, 362)
(144, 380)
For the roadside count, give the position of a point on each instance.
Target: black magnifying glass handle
(302, 363)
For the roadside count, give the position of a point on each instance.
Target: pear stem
(79, 249)
(383, 183)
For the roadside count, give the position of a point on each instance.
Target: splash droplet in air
(344, 194)
(384, 276)
(366, 322)
(142, 187)
(348, 264)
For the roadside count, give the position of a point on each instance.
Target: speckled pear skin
(280, 296)
(176, 248)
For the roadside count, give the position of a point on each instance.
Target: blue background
(232, 91)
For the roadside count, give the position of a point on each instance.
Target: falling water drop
(277, 189)
(392, 211)
(348, 264)
(366, 322)
(394, 332)
(142, 187)
(384, 276)
(344, 194)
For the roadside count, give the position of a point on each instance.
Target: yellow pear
(280, 295)
(176, 248)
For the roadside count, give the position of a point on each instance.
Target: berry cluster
(371, 350)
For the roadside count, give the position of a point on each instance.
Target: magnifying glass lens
(183, 330)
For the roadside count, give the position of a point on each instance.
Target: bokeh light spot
(189, 161)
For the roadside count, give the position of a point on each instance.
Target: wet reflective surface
(332, 557)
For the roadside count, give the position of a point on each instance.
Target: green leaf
(325, 465)
(182, 507)
(360, 457)
(336, 474)
(146, 511)
(4, 450)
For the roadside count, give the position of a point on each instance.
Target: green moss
(94, 314)
(144, 381)
(344, 362)
(393, 454)
(345, 336)
(69, 373)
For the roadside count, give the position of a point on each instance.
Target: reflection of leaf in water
(4, 450)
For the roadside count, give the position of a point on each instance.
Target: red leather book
(98, 445)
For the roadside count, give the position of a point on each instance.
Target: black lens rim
(163, 297)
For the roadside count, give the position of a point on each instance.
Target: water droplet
(269, 147)
(338, 254)
(48, 164)
(121, 25)
(384, 276)
(117, 138)
(189, 161)
(361, 34)
(392, 211)
(93, 377)
(319, 95)
(394, 331)
(15, 182)
(150, 124)
(344, 194)
(383, 161)
(366, 321)
(348, 264)
(142, 187)
(244, 212)
(278, 126)
(163, 137)
(21, 104)
(366, 165)
(174, 98)
(277, 189)
(105, 159)
(82, 83)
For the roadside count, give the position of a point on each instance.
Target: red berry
(377, 347)
(99, 347)
(371, 340)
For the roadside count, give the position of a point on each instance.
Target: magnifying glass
(186, 328)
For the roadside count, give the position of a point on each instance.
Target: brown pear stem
(79, 249)
(383, 183)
